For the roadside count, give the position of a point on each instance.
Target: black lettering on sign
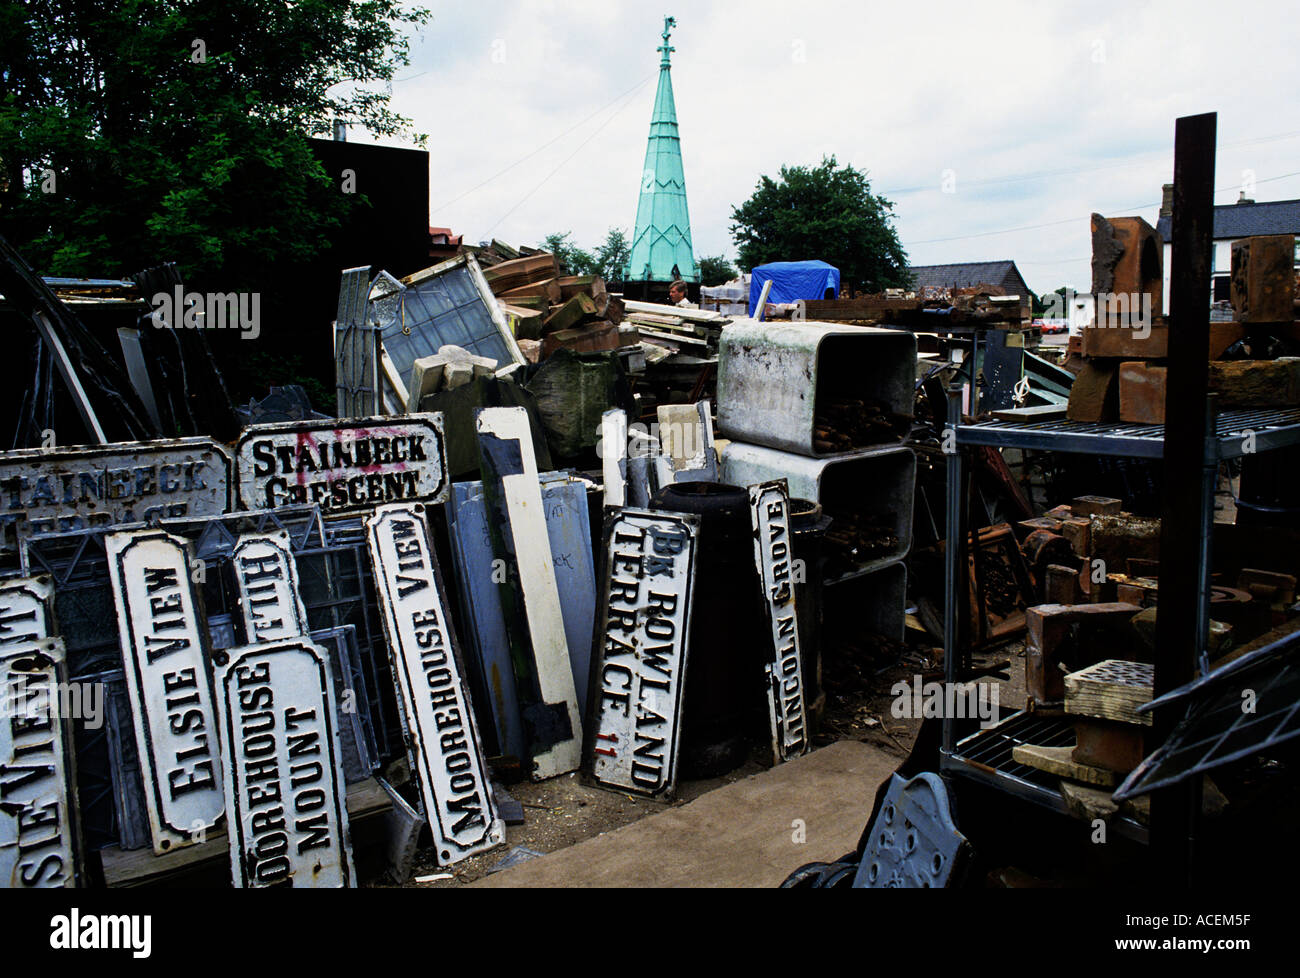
(636, 705)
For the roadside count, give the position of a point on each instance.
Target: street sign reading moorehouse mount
(639, 672)
(57, 490)
(164, 657)
(283, 776)
(343, 465)
(426, 668)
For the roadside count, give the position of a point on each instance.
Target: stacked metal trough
(826, 407)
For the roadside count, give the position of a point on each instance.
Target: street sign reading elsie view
(164, 656)
(343, 465)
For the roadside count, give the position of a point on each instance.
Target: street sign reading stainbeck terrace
(62, 489)
(282, 767)
(639, 664)
(769, 506)
(267, 576)
(345, 465)
(427, 671)
(164, 642)
(38, 848)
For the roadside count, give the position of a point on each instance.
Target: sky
(995, 128)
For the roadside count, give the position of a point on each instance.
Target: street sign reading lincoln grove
(343, 465)
(57, 490)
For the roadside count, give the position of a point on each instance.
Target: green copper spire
(661, 246)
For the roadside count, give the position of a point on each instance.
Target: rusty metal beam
(1184, 531)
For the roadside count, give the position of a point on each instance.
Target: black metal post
(1174, 810)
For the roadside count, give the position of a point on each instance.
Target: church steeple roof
(661, 244)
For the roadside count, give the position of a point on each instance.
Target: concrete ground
(751, 833)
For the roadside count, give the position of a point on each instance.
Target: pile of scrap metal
(165, 382)
(420, 623)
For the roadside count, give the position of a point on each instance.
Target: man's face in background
(676, 294)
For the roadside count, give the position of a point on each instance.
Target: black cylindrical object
(808, 529)
(724, 671)
(1270, 495)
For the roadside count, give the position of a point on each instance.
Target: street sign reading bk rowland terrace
(57, 490)
(633, 730)
(343, 465)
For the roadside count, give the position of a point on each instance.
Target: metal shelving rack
(986, 755)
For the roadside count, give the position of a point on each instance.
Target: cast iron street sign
(282, 768)
(639, 672)
(343, 465)
(163, 641)
(57, 490)
(37, 844)
(427, 671)
(267, 576)
(773, 551)
(24, 611)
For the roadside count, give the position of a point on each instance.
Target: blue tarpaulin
(792, 281)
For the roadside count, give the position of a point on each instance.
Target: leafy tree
(572, 259)
(146, 130)
(612, 256)
(716, 270)
(827, 212)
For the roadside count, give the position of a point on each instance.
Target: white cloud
(905, 91)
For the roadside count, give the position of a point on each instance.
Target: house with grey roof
(1244, 219)
(941, 279)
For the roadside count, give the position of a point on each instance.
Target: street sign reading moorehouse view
(343, 465)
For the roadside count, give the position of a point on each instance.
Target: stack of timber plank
(1123, 371)
(551, 311)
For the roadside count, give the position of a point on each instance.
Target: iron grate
(992, 748)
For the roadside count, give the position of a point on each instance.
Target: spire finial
(669, 24)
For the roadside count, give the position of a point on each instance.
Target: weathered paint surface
(38, 847)
(282, 768)
(267, 576)
(640, 658)
(58, 490)
(774, 554)
(440, 724)
(553, 717)
(567, 524)
(25, 612)
(343, 466)
(164, 643)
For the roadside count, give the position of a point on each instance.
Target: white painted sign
(769, 505)
(634, 733)
(58, 490)
(555, 724)
(25, 611)
(164, 640)
(38, 848)
(267, 576)
(440, 723)
(343, 465)
(282, 767)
